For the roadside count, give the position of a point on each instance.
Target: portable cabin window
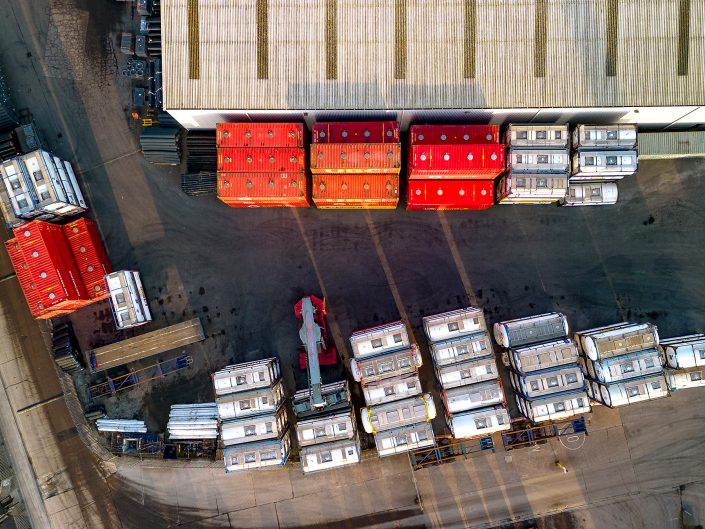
(626, 368)
(14, 183)
(38, 176)
(120, 298)
(534, 385)
(633, 391)
(404, 362)
(245, 405)
(500, 418)
(521, 182)
(260, 376)
(401, 440)
(421, 436)
(479, 346)
(326, 457)
(393, 416)
(559, 406)
(264, 399)
(518, 159)
(462, 350)
(240, 380)
(589, 160)
(656, 385)
(558, 134)
(233, 459)
(351, 451)
(542, 182)
(389, 390)
(552, 382)
(595, 192)
(22, 203)
(124, 316)
(454, 326)
(376, 343)
(522, 135)
(269, 427)
(542, 158)
(580, 402)
(268, 455)
(697, 375)
(250, 457)
(319, 432)
(480, 423)
(540, 134)
(649, 362)
(386, 367)
(341, 427)
(611, 134)
(411, 385)
(397, 338)
(465, 373)
(250, 430)
(611, 160)
(370, 371)
(571, 378)
(44, 195)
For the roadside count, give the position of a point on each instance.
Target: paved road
(640, 259)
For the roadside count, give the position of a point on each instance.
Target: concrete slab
(255, 517)
(271, 486)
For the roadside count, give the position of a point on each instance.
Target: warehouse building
(483, 61)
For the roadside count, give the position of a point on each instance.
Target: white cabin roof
(454, 323)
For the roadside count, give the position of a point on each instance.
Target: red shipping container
(259, 134)
(24, 276)
(261, 159)
(263, 189)
(46, 252)
(450, 194)
(456, 161)
(453, 134)
(356, 132)
(89, 254)
(346, 189)
(336, 158)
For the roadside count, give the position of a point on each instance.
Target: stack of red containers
(46, 265)
(261, 165)
(355, 165)
(453, 166)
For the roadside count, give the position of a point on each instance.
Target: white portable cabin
(470, 372)
(555, 407)
(630, 391)
(607, 165)
(533, 136)
(538, 161)
(483, 421)
(591, 194)
(254, 428)
(461, 349)
(531, 330)
(391, 389)
(398, 413)
(453, 324)
(684, 351)
(257, 455)
(330, 455)
(379, 340)
(473, 396)
(248, 403)
(18, 197)
(622, 136)
(390, 365)
(326, 428)
(127, 299)
(400, 440)
(247, 376)
(618, 339)
(542, 383)
(690, 377)
(624, 367)
(532, 358)
(531, 188)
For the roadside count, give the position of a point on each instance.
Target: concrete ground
(242, 271)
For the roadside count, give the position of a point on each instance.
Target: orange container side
(240, 186)
(339, 158)
(367, 204)
(456, 161)
(356, 132)
(450, 194)
(354, 188)
(259, 134)
(453, 134)
(261, 160)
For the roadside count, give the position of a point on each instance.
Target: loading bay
(241, 271)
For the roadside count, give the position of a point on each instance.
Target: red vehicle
(356, 132)
(259, 135)
(450, 194)
(327, 354)
(453, 134)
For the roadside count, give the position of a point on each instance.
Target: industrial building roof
(416, 54)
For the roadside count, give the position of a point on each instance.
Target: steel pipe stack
(65, 349)
(544, 371)
(356, 165)
(161, 145)
(453, 166)
(121, 425)
(193, 421)
(466, 369)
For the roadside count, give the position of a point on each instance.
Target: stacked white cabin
(328, 438)
(466, 369)
(544, 371)
(622, 363)
(253, 419)
(537, 164)
(685, 361)
(398, 413)
(602, 154)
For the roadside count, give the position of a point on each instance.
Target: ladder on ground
(450, 452)
(542, 433)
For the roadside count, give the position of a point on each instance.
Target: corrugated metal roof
(433, 54)
(654, 145)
